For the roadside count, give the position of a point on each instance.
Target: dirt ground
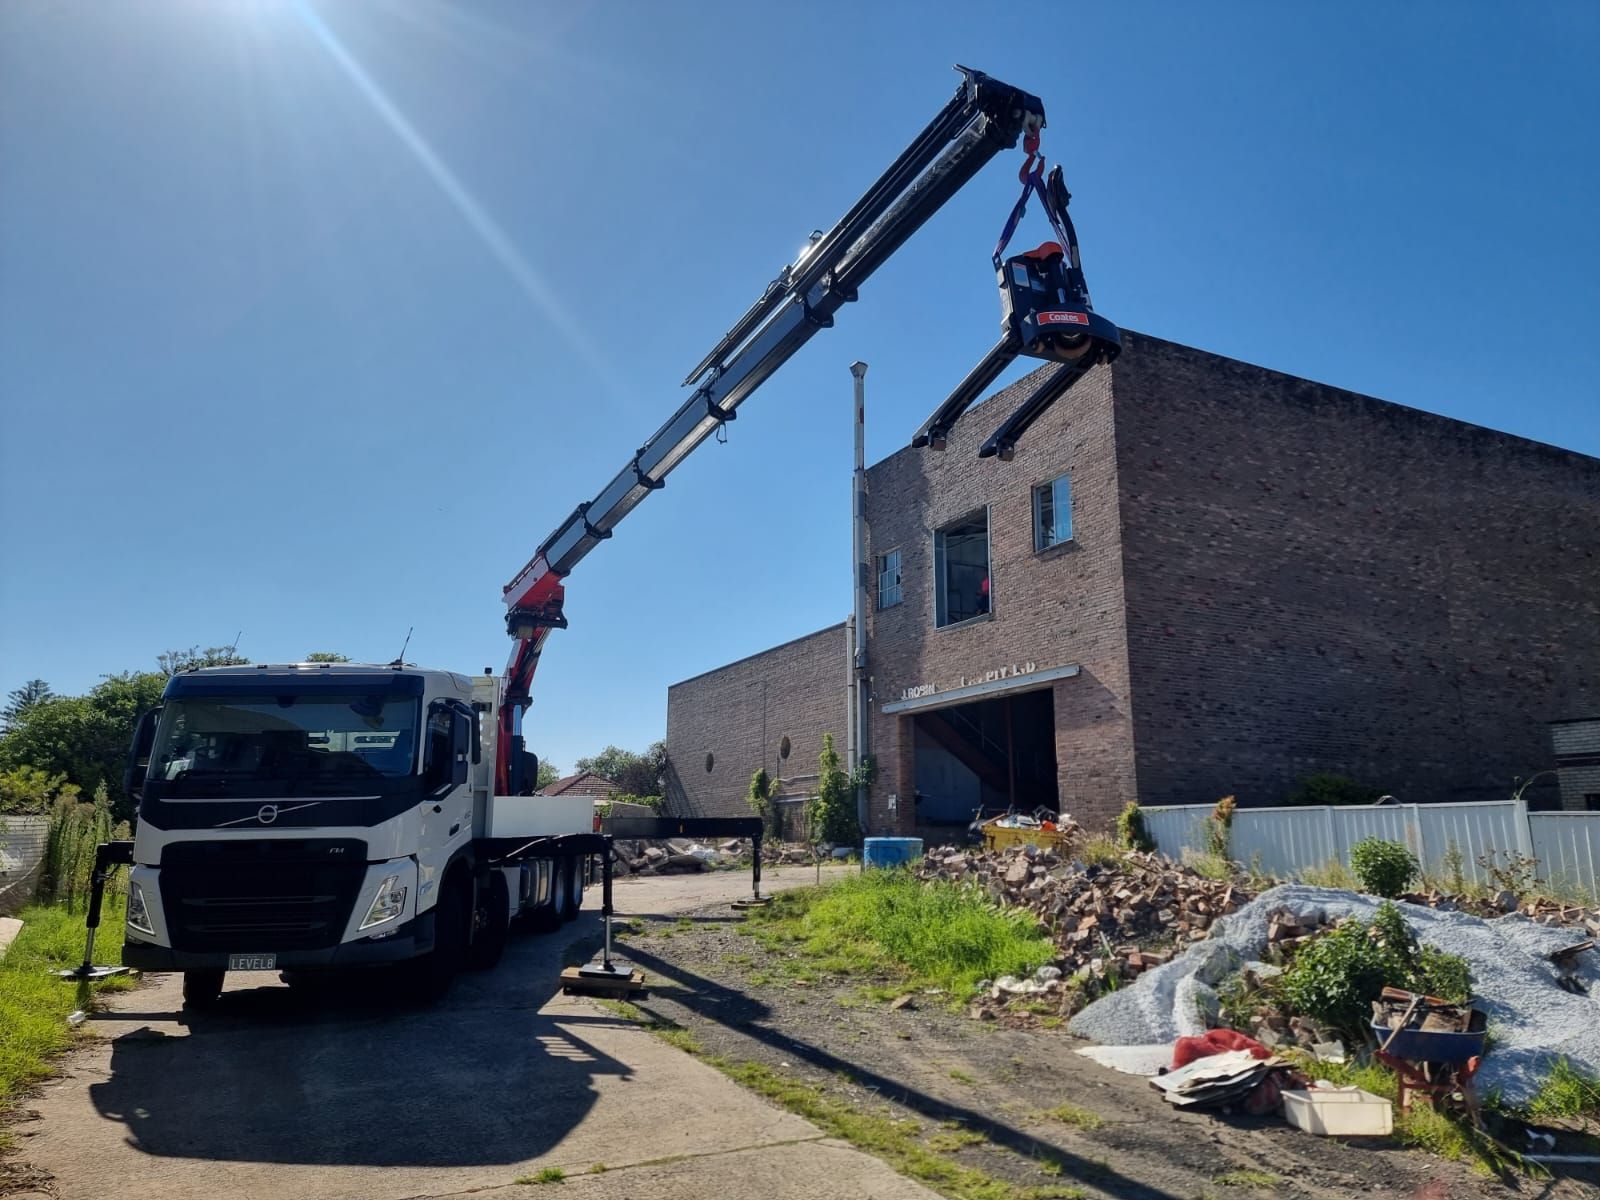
(998, 1085)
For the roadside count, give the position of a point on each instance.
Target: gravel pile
(1531, 1018)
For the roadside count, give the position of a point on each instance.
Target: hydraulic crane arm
(984, 117)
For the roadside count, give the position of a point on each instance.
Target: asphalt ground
(281, 1093)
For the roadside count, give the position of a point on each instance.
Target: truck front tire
(201, 989)
(433, 973)
(492, 923)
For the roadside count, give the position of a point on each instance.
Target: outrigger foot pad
(87, 971)
(603, 979)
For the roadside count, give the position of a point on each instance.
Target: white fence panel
(22, 845)
(1567, 845)
(1287, 841)
(1282, 841)
(1493, 827)
(1174, 828)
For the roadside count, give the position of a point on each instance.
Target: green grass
(963, 1077)
(1208, 866)
(34, 1006)
(929, 934)
(895, 1140)
(1075, 1115)
(1246, 1179)
(1331, 874)
(1566, 1094)
(1101, 849)
(547, 1175)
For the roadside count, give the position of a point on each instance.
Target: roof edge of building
(839, 625)
(1531, 443)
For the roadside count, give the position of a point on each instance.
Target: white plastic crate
(1338, 1112)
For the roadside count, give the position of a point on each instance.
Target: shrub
(1384, 868)
(1336, 977)
(833, 812)
(1324, 787)
(1131, 830)
(75, 830)
(759, 798)
(1219, 828)
(27, 791)
(1519, 874)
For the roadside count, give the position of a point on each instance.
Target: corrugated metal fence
(22, 841)
(1287, 841)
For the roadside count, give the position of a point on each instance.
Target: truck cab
(314, 816)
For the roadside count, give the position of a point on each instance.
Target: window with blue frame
(1052, 513)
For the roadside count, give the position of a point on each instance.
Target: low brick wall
(22, 842)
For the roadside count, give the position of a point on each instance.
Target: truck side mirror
(530, 772)
(138, 765)
(460, 747)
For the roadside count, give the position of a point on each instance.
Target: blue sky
(314, 320)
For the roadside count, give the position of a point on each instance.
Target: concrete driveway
(276, 1095)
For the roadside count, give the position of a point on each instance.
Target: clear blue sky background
(314, 320)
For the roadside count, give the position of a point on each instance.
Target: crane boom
(983, 118)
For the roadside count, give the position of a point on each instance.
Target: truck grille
(260, 896)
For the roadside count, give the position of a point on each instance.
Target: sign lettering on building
(989, 675)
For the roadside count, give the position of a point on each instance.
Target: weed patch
(548, 1175)
(1075, 1115)
(894, 1140)
(930, 934)
(34, 1006)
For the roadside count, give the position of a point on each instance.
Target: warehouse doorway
(985, 754)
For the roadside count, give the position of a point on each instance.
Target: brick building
(1197, 577)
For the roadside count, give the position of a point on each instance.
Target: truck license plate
(252, 962)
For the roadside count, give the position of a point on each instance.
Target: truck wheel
(575, 887)
(553, 911)
(492, 922)
(433, 973)
(202, 988)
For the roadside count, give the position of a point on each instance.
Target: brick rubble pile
(1111, 921)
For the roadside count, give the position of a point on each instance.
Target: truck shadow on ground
(353, 1075)
(743, 1013)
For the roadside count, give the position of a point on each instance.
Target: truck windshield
(284, 738)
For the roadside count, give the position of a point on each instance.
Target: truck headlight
(138, 915)
(388, 904)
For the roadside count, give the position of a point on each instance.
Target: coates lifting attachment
(1045, 313)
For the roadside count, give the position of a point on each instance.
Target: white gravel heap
(1531, 1019)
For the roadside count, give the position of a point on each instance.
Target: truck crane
(315, 816)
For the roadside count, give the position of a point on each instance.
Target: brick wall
(1321, 581)
(740, 715)
(1061, 607)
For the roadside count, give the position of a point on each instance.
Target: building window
(889, 579)
(961, 569)
(711, 762)
(1052, 513)
(784, 747)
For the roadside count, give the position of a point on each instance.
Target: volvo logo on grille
(268, 814)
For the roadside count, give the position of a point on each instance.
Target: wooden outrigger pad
(597, 980)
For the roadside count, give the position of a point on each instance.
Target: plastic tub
(1338, 1112)
(890, 852)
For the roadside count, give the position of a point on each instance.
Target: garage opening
(988, 755)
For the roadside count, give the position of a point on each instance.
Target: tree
(26, 791)
(85, 738)
(548, 774)
(1325, 787)
(833, 812)
(326, 656)
(173, 661)
(639, 774)
(22, 699)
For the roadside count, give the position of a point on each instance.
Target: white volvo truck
(317, 815)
